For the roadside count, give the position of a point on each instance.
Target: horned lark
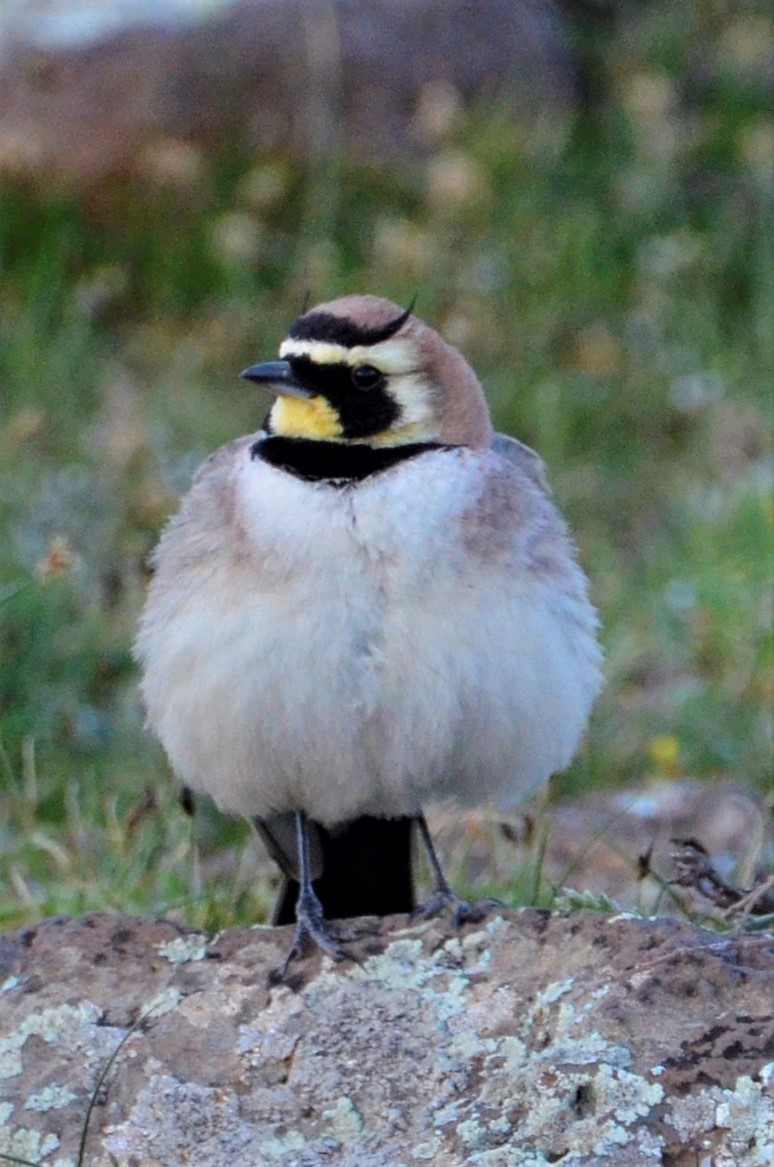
(371, 603)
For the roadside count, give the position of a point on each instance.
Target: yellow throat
(292, 417)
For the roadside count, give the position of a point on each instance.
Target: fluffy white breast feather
(361, 650)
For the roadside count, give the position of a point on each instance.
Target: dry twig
(695, 870)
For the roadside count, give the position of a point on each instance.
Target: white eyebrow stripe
(391, 356)
(321, 352)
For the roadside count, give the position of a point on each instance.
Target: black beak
(278, 377)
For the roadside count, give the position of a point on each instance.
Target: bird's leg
(310, 918)
(443, 896)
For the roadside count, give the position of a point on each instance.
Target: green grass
(615, 296)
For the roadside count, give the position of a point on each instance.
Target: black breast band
(339, 463)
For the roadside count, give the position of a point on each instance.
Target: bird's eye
(366, 376)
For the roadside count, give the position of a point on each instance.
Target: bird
(369, 604)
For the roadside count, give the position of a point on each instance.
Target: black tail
(366, 871)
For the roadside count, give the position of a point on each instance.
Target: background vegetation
(613, 288)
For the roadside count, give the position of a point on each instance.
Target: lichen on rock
(584, 1040)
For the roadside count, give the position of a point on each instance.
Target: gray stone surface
(527, 1040)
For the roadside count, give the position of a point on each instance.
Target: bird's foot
(313, 928)
(444, 899)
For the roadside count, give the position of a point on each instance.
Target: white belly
(356, 658)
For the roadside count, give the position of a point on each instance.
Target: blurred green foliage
(613, 289)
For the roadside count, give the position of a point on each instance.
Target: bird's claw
(443, 899)
(312, 927)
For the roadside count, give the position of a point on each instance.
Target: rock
(309, 77)
(527, 1040)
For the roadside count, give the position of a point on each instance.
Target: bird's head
(362, 370)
